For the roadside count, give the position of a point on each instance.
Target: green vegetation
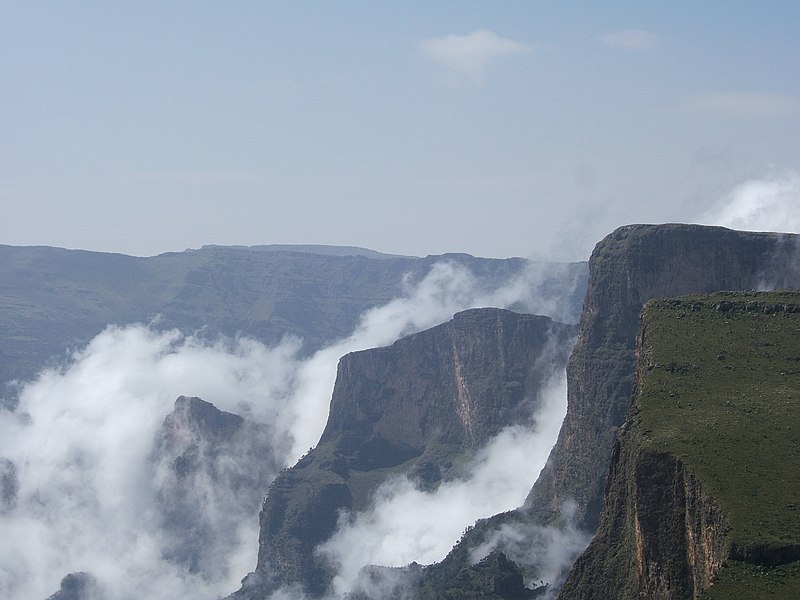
(748, 582)
(723, 394)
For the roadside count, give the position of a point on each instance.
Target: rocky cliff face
(211, 467)
(629, 267)
(421, 408)
(703, 473)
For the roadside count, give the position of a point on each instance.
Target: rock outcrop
(420, 407)
(211, 468)
(703, 475)
(630, 266)
(78, 586)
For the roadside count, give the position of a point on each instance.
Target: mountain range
(416, 418)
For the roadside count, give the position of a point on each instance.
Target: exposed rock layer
(632, 265)
(421, 408)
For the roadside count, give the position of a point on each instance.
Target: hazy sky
(494, 128)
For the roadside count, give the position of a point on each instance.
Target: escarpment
(703, 485)
(630, 266)
(422, 408)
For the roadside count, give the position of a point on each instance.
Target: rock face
(420, 407)
(629, 267)
(212, 467)
(703, 474)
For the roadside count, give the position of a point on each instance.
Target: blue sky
(495, 128)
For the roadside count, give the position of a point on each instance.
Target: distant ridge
(314, 249)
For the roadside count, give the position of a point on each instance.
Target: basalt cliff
(421, 408)
(703, 486)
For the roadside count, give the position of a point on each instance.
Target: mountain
(52, 299)
(630, 266)
(211, 469)
(78, 586)
(703, 483)
(421, 408)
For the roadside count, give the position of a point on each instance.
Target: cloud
(469, 55)
(630, 39)
(759, 205)
(81, 440)
(446, 289)
(740, 104)
(550, 551)
(76, 453)
(405, 524)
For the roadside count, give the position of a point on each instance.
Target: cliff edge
(421, 408)
(632, 265)
(703, 486)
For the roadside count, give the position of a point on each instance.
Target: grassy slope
(723, 394)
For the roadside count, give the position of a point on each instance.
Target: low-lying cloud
(81, 440)
(79, 489)
(406, 524)
(470, 55)
(769, 204)
(549, 550)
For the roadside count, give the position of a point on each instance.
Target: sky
(493, 128)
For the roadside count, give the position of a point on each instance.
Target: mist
(768, 204)
(549, 550)
(79, 487)
(405, 524)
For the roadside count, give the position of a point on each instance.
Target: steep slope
(421, 407)
(704, 481)
(630, 266)
(52, 298)
(211, 470)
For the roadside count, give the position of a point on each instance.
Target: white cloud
(81, 437)
(630, 39)
(740, 104)
(446, 289)
(469, 55)
(81, 440)
(551, 551)
(771, 204)
(406, 524)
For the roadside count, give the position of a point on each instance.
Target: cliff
(703, 484)
(211, 468)
(420, 407)
(630, 266)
